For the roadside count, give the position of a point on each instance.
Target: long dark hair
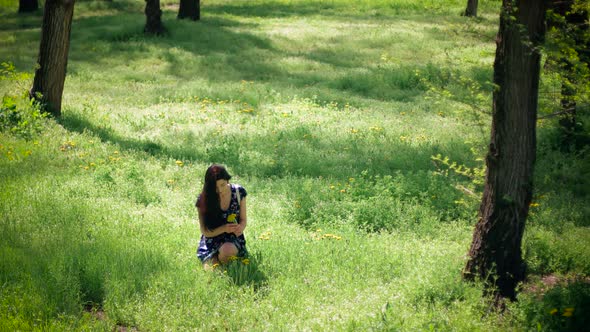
(209, 202)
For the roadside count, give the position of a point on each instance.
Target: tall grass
(329, 113)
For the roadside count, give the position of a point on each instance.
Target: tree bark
(471, 10)
(190, 9)
(50, 74)
(153, 13)
(28, 6)
(495, 253)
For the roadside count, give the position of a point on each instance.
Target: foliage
(561, 308)
(19, 114)
(567, 68)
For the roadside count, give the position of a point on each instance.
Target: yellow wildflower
(553, 311)
(568, 312)
(232, 218)
(245, 261)
(179, 163)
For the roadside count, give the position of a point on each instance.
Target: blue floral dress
(209, 246)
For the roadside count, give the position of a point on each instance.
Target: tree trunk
(153, 13)
(28, 6)
(471, 10)
(190, 8)
(50, 74)
(495, 253)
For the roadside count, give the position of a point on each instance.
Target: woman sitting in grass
(222, 218)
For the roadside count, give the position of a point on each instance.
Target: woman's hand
(230, 228)
(240, 229)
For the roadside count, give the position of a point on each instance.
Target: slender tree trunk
(495, 253)
(153, 14)
(27, 6)
(471, 10)
(50, 74)
(190, 8)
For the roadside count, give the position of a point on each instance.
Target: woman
(222, 218)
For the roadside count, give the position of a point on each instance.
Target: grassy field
(358, 129)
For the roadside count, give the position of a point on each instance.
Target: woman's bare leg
(226, 251)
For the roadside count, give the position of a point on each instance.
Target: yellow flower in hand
(232, 218)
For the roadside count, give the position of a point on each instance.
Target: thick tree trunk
(495, 253)
(153, 14)
(471, 10)
(50, 74)
(190, 9)
(27, 6)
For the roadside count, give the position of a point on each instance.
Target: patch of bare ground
(539, 285)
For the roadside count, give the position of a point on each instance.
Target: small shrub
(19, 115)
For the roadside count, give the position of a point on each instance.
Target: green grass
(329, 113)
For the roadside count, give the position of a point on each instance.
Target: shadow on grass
(223, 50)
(299, 157)
(62, 254)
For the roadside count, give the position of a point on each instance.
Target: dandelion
(116, 152)
(264, 236)
(331, 236)
(342, 191)
(354, 131)
(245, 261)
(553, 311)
(232, 258)
(232, 218)
(534, 204)
(179, 163)
(568, 312)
